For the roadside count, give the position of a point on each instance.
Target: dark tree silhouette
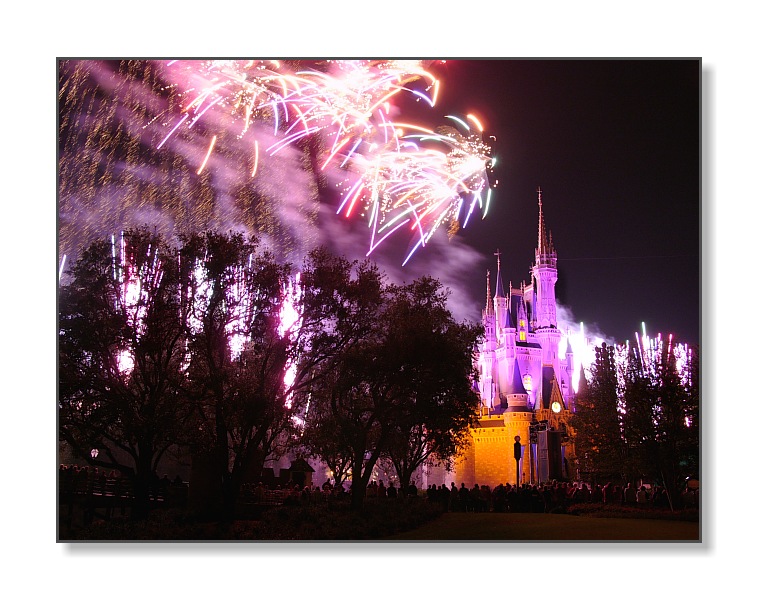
(405, 385)
(433, 360)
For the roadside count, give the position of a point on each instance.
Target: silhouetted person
(455, 501)
(444, 495)
(391, 490)
(463, 497)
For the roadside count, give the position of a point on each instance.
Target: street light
(517, 456)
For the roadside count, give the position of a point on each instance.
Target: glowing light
(289, 325)
(346, 107)
(138, 278)
(60, 269)
(207, 156)
(476, 122)
(652, 351)
(255, 161)
(460, 121)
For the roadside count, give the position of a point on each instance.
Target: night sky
(614, 146)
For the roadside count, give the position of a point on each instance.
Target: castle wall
(489, 459)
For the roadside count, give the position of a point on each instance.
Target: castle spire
(499, 293)
(490, 308)
(542, 240)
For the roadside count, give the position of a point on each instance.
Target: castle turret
(515, 394)
(500, 301)
(487, 366)
(545, 274)
(522, 317)
(568, 389)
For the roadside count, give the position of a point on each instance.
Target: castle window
(522, 336)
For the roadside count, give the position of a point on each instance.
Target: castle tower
(525, 386)
(545, 273)
(487, 367)
(501, 302)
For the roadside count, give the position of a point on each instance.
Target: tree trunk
(359, 482)
(357, 493)
(205, 488)
(230, 492)
(143, 479)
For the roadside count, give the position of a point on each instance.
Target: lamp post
(517, 456)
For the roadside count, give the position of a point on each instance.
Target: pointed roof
(548, 379)
(489, 307)
(541, 235)
(517, 305)
(499, 293)
(582, 385)
(556, 396)
(544, 239)
(516, 384)
(515, 393)
(300, 465)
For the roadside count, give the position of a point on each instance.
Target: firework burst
(402, 175)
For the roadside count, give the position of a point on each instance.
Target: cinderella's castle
(524, 385)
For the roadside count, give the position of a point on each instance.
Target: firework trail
(261, 147)
(112, 117)
(652, 351)
(401, 175)
(138, 278)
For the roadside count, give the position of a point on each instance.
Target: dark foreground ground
(396, 521)
(548, 527)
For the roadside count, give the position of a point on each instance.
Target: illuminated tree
(660, 424)
(257, 351)
(121, 348)
(599, 445)
(239, 358)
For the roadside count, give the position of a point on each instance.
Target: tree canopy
(213, 346)
(402, 391)
(638, 418)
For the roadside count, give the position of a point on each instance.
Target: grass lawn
(548, 527)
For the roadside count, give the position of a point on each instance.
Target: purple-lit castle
(526, 373)
(519, 361)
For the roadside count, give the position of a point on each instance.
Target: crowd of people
(551, 496)
(260, 493)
